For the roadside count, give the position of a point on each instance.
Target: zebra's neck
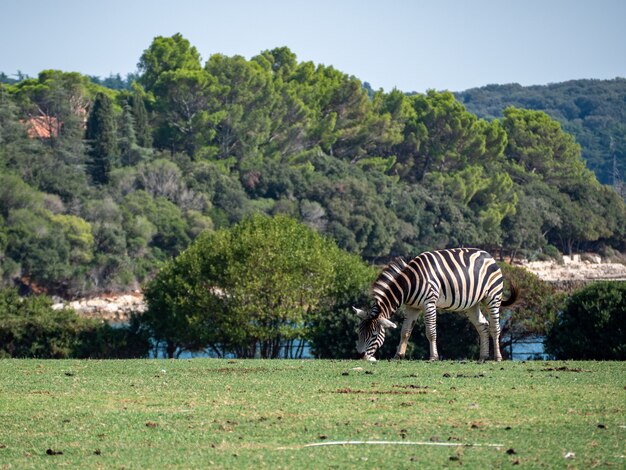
(386, 303)
(392, 287)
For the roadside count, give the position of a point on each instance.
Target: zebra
(457, 279)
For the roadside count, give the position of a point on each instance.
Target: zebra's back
(456, 279)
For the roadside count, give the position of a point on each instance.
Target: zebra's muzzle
(365, 357)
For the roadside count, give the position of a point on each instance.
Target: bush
(332, 332)
(592, 324)
(30, 327)
(103, 341)
(254, 289)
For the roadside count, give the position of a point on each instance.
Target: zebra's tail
(513, 295)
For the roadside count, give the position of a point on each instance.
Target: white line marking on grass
(401, 443)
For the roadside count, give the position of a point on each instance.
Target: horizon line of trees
(100, 186)
(590, 109)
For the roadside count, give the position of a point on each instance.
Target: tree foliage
(104, 180)
(251, 290)
(590, 110)
(165, 55)
(101, 136)
(30, 327)
(592, 324)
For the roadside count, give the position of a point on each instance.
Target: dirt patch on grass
(240, 370)
(558, 369)
(447, 375)
(563, 369)
(381, 392)
(411, 386)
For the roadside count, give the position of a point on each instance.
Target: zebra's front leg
(430, 321)
(410, 317)
(481, 324)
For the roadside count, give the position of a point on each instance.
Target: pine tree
(130, 152)
(142, 127)
(101, 136)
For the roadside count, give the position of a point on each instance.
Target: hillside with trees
(593, 111)
(101, 183)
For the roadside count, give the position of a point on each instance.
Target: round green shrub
(592, 324)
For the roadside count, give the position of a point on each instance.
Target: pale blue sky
(410, 45)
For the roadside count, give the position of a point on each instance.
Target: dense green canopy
(100, 185)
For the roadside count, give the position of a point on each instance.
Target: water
(529, 349)
(306, 353)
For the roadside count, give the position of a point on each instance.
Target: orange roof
(42, 127)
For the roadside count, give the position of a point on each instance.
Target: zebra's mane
(391, 270)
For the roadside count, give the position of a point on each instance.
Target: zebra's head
(371, 332)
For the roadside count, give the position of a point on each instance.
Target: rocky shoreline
(577, 270)
(113, 308)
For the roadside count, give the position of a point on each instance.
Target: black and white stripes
(457, 279)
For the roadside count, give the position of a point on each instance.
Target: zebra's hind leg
(494, 327)
(430, 321)
(481, 324)
(410, 318)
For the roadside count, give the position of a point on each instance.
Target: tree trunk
(170, 349)
(300, 349)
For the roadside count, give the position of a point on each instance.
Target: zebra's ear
(386, 323)
(360, 313)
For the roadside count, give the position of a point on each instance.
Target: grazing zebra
(457, 279)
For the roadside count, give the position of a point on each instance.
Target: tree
(53, 108)
(58, 101)
(39, 247)
(332, 328)
(591, 110)
(188, 114)
(249, 290)
(526, 232)
(141, 122)
(101, 135)
(383, 174)
(290, 118)
(14, 142)
(442, 136)
(244, 100)
(167, 220)
(592, 324)
(164, 55)
(490, 197)
(539, 145)
(131, 152)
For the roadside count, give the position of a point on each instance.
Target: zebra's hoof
(371, 359)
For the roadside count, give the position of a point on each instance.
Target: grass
(204, 413)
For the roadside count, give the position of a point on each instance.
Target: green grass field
(203, 413)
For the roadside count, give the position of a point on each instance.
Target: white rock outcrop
(114, 308)
(576, 270)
